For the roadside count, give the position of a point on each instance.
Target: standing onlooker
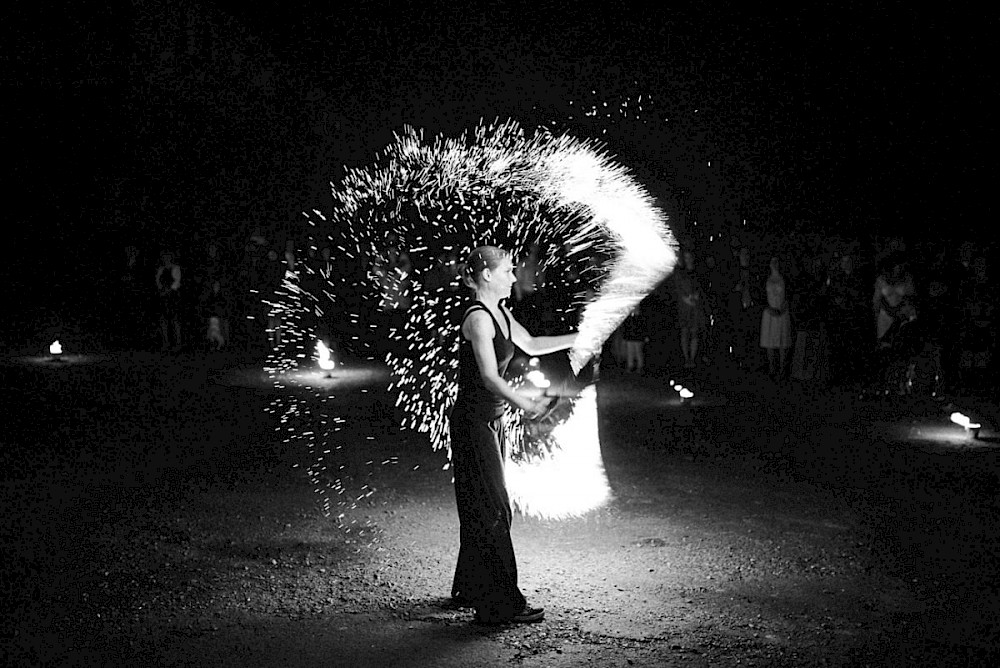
(847, 317)
(893, 299)
(168, 288)
(440, 276)
(690, 309)
(215, 314)
(290, 258)
(392, 272)
(716, 284)
(135, 300)
(941, 312)
(246, 329)
(810, 358)
(976, 332)
(275, 270)
(740, 304)
(527, 289)
(894, 303)
(776, 322)
(634, 339)
(529, 274)
(723, 285)
(212, 265)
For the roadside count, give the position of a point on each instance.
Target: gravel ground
(153, 518)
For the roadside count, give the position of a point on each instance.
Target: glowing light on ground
(55, 348)
(571, 480)
(963, 421)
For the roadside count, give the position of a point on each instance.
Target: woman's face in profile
(504, 272)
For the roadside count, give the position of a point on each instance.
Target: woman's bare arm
(537, 345)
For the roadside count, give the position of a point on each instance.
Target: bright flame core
(325, 359)
(55, 348)
(571, 480)
(963, 420)
(538, 379)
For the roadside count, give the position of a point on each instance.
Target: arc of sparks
(497, 185)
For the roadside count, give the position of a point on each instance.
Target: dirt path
(155, 521)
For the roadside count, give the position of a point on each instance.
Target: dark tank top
(473, 396)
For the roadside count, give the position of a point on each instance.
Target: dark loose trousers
(486, 575)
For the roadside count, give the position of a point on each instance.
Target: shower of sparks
(607, 247)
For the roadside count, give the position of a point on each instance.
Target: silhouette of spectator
(248, 317)
(326, 261)
(168, 289)
(810, 356)
(134, 300)
(893, 298)
(527, 289)
(977, 328)
(847, 317)
(289, 256)
(724, 280)
(275, 270)
(215, 313)
(716, 283)
(634, 338)
(528, 273)
(212, 268)
(392, 272)
(740, 307)
(775, 321)
(442, 276)
(894, 304)
(942, 306)
(314, 275)
(690, 309)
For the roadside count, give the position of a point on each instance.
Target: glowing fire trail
(501, 187)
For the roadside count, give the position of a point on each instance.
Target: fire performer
(486, 575)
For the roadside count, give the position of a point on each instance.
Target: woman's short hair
(484, 257)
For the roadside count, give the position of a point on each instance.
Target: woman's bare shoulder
(478, 321)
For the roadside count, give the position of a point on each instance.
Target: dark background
(171, 123)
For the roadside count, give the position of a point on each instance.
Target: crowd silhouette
(800, 308)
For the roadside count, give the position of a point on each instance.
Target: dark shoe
(528, 615)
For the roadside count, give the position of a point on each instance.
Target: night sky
(171, 122)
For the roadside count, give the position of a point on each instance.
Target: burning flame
(963, 420)
(535, 375)
(538, 379)
(325, 359)
(55, 348)
(572, 480)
